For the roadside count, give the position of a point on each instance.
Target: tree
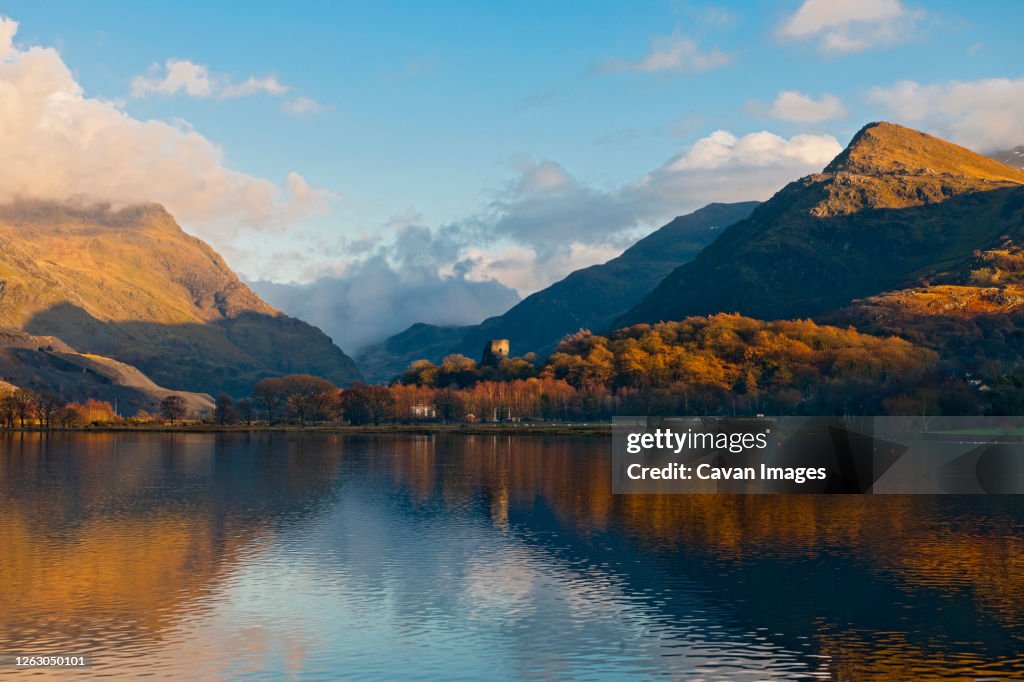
(270, 394)
(449, 405)
(224, 410)
(46, 406)
(7, 412)
(364, 404)
(457, 369)
(24, 403)
(308, 397)
(70, 416)
(245, 410)
(421, 373)
(172, 408)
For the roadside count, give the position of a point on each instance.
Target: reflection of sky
(319, 557)
(370, 589)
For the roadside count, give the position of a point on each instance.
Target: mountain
(1014, 158)
(589, 298)
(895, 208)
(130, 284)
(46, 364)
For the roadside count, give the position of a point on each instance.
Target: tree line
(729, 364)
(720, 364)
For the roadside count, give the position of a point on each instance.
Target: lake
(319, 557)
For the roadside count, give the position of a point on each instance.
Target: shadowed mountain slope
(46, 364)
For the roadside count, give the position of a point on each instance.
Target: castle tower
(495, 351)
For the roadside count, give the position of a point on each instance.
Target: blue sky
(510, 142)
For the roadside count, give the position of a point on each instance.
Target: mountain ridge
(130, 284)
(895, 206)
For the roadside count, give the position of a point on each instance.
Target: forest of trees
(722, 364)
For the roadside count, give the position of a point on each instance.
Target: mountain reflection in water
(315, 556)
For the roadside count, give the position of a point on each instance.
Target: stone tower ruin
(495, 351)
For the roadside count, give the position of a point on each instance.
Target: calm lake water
(324, 557)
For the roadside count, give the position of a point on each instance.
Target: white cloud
(523, 269)
(842, 26)
(800, 108)
(59, 143)
(302, 106)
(984, 115)
(268, 85)
(724, 167)
(181, 76)
(549, 221)
(673, 54)
(8, 28)
(418, 276)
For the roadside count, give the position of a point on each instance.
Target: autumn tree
(457, 370)
(270, 394)
(70, 416)
(421, 373)
(365, 404)
(450, 405)
(308, 397)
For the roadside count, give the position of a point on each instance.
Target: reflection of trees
(939, 549)
(859, 656)
(129, 534)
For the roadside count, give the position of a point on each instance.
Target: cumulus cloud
(418, 277)
(184, 77)
(800, 108)
(984, 115)
(842, 26)
(547, 208)
(673, 54)
(59, 144)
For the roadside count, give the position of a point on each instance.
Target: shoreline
(520, 429)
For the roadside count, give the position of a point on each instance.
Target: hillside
(586, 299)
(1014, 158)
(46, 364)
(130, 284)
(894, 209)
(972, 315)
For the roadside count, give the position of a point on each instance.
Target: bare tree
(47, 405)
(224, 411)
(24, 404)
(245, 410)
(7, 412)
(172, 408)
